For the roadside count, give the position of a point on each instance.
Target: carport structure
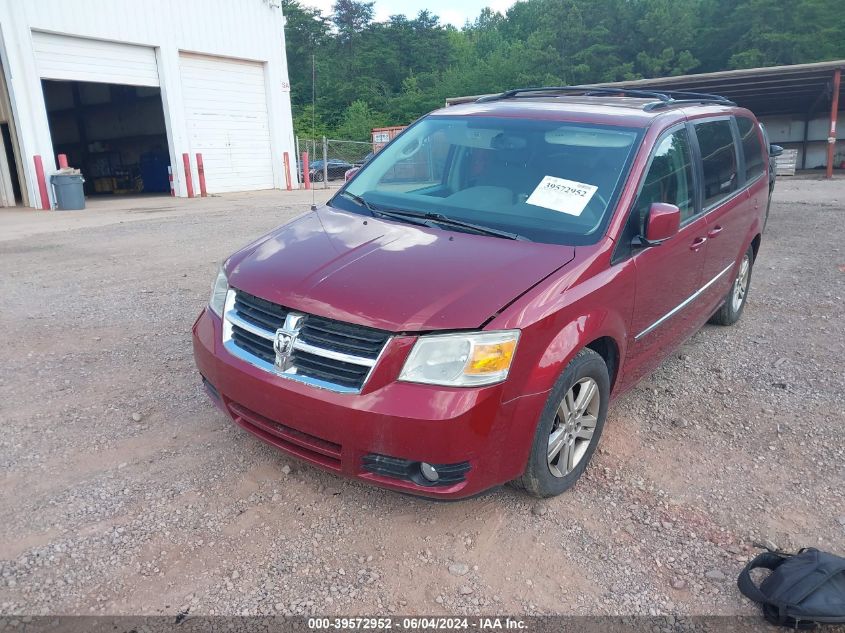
(799, 104)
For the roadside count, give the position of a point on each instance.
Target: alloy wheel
(741, 284)
(574, 426)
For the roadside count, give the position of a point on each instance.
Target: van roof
(621, 111)
(631, 108)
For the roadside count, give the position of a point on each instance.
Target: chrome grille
(342, 337)
(326, 353)
(259, 311)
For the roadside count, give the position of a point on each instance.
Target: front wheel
(569, 427)
(735, 300)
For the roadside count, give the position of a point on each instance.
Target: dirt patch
(126, 491)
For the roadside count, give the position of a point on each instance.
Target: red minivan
(461, 313)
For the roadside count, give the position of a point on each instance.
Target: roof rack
(664, 98)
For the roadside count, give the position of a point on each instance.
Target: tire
(735, 300)
(547, 478)
(318, 176)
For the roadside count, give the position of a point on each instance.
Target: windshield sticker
(558, 194)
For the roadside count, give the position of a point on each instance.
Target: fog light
(429, 472)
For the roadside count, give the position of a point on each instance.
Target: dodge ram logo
(285, 339)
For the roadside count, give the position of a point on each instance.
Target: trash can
(69, 193)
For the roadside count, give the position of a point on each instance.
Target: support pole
(42, 183)
(834, 111)
(298, 157)
(189, 179)
(62, 161)
(286, 158)
(804, 141)
(325, 163)
(201, 175)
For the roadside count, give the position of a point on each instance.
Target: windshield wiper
(396, 214)
(383, 211)
(426, 219)
(439, 218)
(478, 228)
(358, 200)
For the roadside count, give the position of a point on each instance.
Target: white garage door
(81, 59)
(226, 113)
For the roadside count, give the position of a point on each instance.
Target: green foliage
(358, 122)
(305, 31)
(370, 73)
(307, 125)
(351, 17)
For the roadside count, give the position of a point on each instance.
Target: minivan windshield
(547, 181)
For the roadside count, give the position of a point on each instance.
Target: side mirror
(662, 222)
(775, 150)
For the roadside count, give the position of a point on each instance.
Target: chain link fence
(330, 159)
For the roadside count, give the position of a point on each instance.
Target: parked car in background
(358, 164)
(462, 312)
(336, 168)
(365, 160)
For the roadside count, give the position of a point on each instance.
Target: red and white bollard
(201, 175)
(42, 183)
(170, 178)
(62, 161)
(189, 179)
(306, 171)
(287, 171)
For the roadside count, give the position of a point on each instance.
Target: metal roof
(799, 88)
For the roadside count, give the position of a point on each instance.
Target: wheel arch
(755, 244)
(601, 330)
(608, 349)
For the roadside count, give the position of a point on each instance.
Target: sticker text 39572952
(559, 194)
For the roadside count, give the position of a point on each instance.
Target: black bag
(804, 589)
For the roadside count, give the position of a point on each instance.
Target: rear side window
(669, 178)
(754, 165)
(718, 157)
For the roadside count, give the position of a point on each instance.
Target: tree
(306, 31)
(308, 124)
(390, 72)
(358, 121)
(351, 17)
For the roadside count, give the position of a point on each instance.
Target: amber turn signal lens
(491, 358)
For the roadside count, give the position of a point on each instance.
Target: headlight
(218, 293)
(461, 360)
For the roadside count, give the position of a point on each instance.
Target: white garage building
(125, 89)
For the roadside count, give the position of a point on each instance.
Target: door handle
(714, 231)
(697, 243)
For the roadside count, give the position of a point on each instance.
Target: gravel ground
(126, 492)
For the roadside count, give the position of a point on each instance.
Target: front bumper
(337, 431)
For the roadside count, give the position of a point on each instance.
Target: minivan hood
(388, 275)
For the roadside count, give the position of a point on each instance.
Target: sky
(449, 11)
